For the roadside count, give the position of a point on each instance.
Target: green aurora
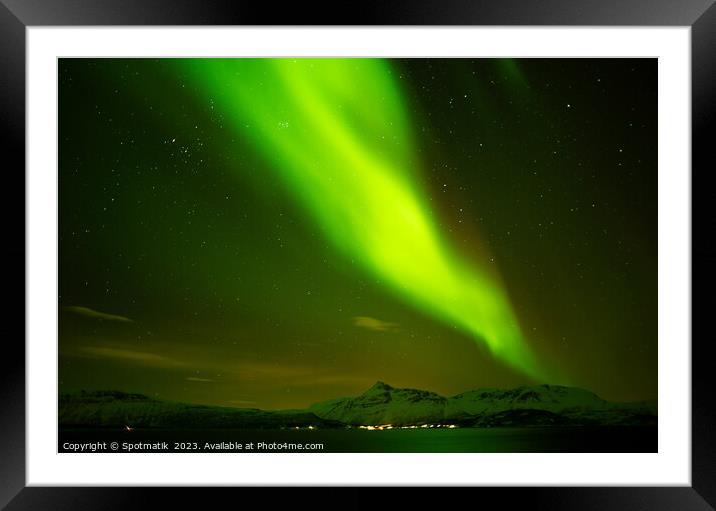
(275, 232)
(336, 132)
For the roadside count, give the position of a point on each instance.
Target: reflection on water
(536, 439)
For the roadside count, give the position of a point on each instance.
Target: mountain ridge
(538, 404)
(381, 404)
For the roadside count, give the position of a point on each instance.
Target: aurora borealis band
(336, 132)
(270, 232)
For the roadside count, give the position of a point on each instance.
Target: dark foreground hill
(381, 405)
(119, 409)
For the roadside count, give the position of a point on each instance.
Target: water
(532, 439)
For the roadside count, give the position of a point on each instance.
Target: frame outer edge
(12, 102)
(703, 122)
(12, 361)
(368, 12)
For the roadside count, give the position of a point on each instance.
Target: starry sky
(273, 233)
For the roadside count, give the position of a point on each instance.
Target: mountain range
(381, 405)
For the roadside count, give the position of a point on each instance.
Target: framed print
(437, 247)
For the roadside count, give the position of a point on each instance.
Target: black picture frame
(17, 15)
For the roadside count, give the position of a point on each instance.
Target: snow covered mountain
(383, 404)
(379, 405)
(534, 405)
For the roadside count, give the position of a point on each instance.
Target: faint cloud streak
(374, 324)
(93, 314)
(134, 356)
(241, 402)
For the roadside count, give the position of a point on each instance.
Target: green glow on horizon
(337, 135)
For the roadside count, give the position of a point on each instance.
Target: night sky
(273, 233)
